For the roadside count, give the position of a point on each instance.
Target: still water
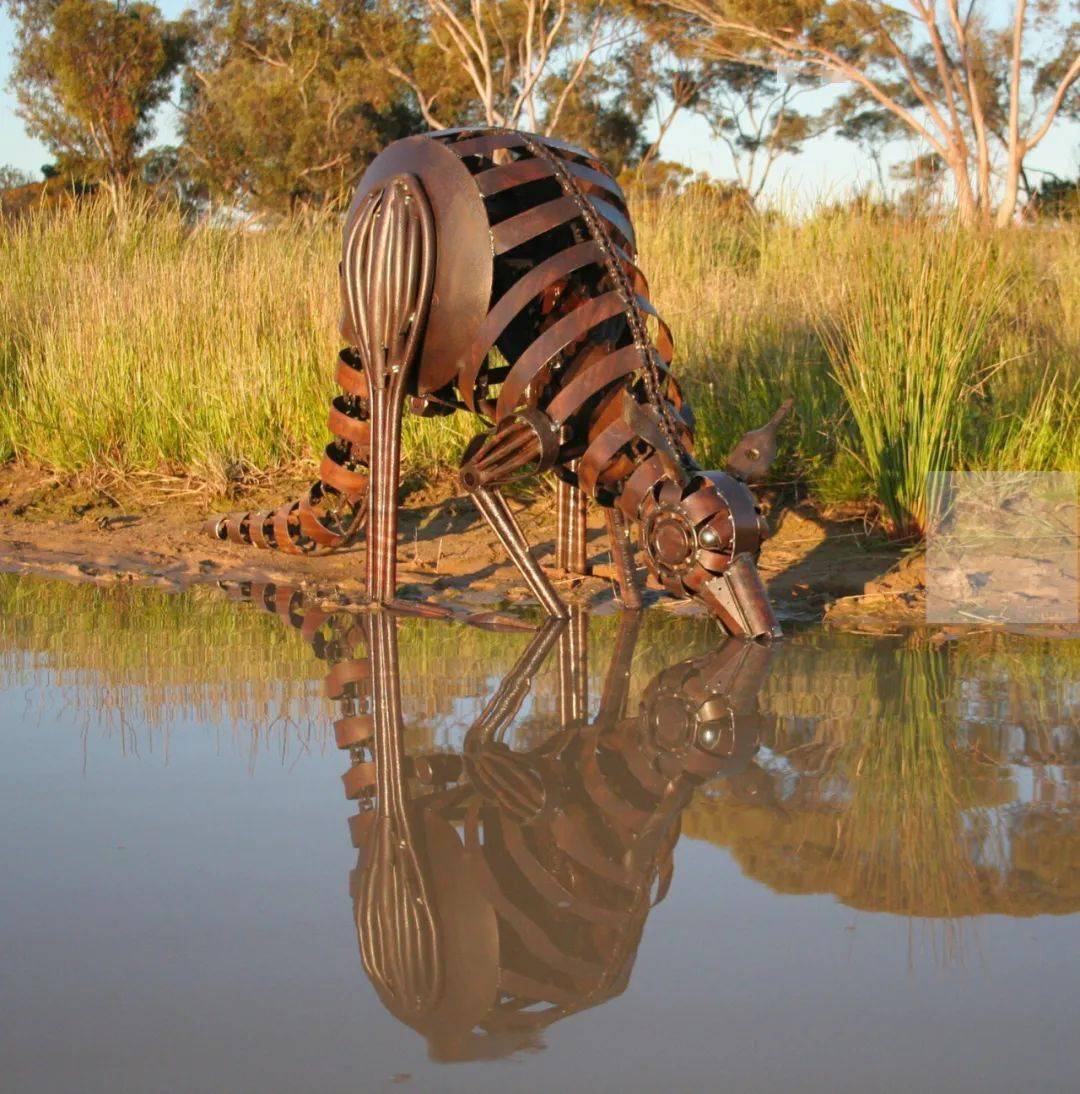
(248, 845)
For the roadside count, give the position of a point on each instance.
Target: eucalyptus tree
(978, 91)
(88, 77)
(282, 106)
(503, 62)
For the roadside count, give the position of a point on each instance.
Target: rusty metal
(494, 271)
(496, 512)
(500, 890)
(752, 457)
(399, 937)
(571, 529)
(622, 554)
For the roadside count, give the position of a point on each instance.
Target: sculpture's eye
(753, 453)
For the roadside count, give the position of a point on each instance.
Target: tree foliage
(1056, 199)
(753, 111)
(12, 178)
(89, 75)
(282, 105)
(508, 62)
(978, 92)
(605, 108)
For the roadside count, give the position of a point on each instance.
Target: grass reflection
(925, 780)
(940, 784)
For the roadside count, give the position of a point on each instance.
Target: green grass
(145, 346)
(906, 342)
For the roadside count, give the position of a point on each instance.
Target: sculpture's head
(702, 532)
(701, 540)
(702, 719)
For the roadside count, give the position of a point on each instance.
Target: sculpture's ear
(752, 457)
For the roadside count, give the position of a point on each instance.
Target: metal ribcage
(548, 241)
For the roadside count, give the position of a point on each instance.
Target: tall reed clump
(908, 342)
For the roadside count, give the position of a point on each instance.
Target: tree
(282, 106)
(505, 52)
(12, 177)
(89, 75)
(606, 125)
(1056, 199)
(751, 110)
(604, 106)
(678, 88)
(925, 177)
(978, 94)
(869, 128)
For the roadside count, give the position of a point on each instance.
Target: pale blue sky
(827, 166)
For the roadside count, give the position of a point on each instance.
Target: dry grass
(145, 346)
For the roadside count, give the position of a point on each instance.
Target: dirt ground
(815, 568)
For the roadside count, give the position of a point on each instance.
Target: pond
(249, 843)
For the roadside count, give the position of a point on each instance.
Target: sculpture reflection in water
(498, 891)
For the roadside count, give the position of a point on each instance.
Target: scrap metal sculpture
(493, 271)
(499, 890)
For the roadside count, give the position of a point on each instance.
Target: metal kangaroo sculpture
(493, 271)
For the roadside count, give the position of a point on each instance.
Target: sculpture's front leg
(388, 270)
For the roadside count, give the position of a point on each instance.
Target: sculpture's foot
(399, 606)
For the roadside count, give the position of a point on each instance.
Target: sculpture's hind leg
(387, 273)
(386, 408)
(571, 553)
(520, 444)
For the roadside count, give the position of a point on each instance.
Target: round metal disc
(463, 259)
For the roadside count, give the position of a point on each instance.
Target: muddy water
(616, 855)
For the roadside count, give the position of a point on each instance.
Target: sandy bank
(815, 568)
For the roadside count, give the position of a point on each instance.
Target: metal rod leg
(386, 409)
(571, 552)
(617, 681)
(623, 557)
(504, 705)
(575, 642)
(574, 670)
(497, 513)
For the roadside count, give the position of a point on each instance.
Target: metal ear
(752, 457)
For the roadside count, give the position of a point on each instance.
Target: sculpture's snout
(702, 541)
(738, 598)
